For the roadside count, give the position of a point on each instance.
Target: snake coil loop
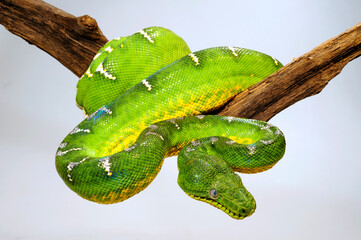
(143, 95)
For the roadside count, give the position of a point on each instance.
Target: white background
(312, 193)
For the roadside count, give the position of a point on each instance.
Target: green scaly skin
(142, 54)
(119, 149)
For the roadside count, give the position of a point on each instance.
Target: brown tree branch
(304, 77)
(74, 41)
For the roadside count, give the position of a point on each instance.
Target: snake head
(211, 180)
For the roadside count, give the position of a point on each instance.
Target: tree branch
(304, 77)
(74, 41)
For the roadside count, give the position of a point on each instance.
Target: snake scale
(144, 96)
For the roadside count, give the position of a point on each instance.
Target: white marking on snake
(146, 36)
(200, 116)
(77, 129)
(155, 134)
(188, 149)
(106, 110)
(267, 127)
(63, 145)
(101, 69)
(109, 49)
(103, 108)
(105, 164)
(252, 149)
(229, 119)
(131, 148)
(233, 50)
(213, 139)
(71, 165)
(230, 142)
(88, 73)
(117, 38)
(194, 58)
(278, 132)
(175, 124)
(97, 55)
(153, 126)
(267, 142)
(146, 143)
(195, 143)
(146, 83)
(61, 153)
(276, 62)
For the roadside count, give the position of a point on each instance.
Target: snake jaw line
(219, 206)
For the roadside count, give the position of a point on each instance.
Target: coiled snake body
(143, 105)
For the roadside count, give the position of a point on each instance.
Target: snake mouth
(231, 213)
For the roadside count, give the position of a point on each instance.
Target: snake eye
(213, 193)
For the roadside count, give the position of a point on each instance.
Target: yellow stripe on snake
(143, 95)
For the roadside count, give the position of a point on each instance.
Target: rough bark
(74, 41)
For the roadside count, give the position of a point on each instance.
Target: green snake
(144, 96)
